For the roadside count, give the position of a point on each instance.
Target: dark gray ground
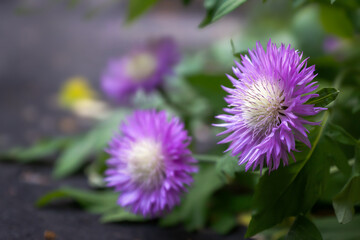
(43, 43)
(22, 185)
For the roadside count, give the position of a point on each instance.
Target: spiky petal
(150, 163)
(267, 105)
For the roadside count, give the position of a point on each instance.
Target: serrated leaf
(300, 184)
(36, 152)
(339, 134)
(326, 96)
(335, 21)
(138, 7)
(220, 9)
(193, 209)
(303, 229)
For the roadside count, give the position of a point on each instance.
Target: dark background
(42, 43)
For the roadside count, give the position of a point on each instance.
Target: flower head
(150, 163)
(267, 106)
(74, 90)
(143, 68)
(332, 44)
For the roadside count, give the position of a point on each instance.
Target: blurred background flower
(144, 68)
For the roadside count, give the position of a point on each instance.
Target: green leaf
(339, 134)
(331, 230)
(332, 1)
(96, 202)
(82, 148)
(96, 169)
(138, 7)
(300, 184)
(326, 96)
(232, 46)
(229, 165)
(235, 53)
(208, 4)
(36, 152)
(101, 202)
(219, 9)
(120, 215)
(224, 223)
(303, 229)
(241, 53)
(357, 159)
(225, 207)
(74, 156)
(344, 202)
(194, 207)
(209, 86)
(339, 158)
(335, 21)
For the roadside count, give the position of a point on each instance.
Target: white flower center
(141, 66)
(146, 163)
(262, 105)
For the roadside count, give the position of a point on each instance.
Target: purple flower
(267, 106)
(332, 44)
(143, 68)
(150, 163)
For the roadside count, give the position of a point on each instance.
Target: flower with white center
(140, 66)
(145, 68)
(150, 163)
(145, 162)
(267, 105)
